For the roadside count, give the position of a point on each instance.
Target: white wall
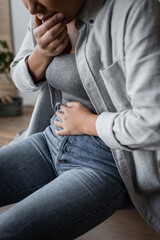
(20, 18)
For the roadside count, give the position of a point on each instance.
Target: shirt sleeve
(19, 67)
(138, 127)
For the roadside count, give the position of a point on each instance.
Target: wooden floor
(123, 225)
(10, 126)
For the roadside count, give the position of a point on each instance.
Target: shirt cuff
(104, 127)
(23, 79)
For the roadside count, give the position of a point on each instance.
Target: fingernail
(60, 15)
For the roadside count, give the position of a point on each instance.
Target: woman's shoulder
(127, 6)
(132, 6)
(122, 11)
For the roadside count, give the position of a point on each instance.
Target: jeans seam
(60, 150)
(86, 215)
(49, 163)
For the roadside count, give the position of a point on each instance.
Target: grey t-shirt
(66, 78)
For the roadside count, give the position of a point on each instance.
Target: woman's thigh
(24, 167)
(67, 207)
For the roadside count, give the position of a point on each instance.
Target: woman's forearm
(37, 64)
(52, 39)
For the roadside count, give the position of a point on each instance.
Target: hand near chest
(53, 38)
(51, 35)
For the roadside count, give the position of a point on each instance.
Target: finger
(64, 108)
(59, 115)
(72, 103)
(51, 22)
(58, 123)
(62, 46)
(57, 30)
(58, 41)
(61, 132)
(37, 22)
(56, 34)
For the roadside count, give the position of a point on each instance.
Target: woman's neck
(73, 34)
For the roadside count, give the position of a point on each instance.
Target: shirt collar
(90, 10)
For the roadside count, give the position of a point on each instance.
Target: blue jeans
(63, 186)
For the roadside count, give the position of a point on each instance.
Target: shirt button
(91, 21)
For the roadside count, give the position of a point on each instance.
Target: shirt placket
(85, 71)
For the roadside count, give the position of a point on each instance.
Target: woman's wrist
(90, 125)
(37, 64)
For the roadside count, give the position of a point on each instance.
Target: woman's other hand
(51, 35)
(76, 119)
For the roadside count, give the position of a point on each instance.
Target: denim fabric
(63, 185)
(73, 151)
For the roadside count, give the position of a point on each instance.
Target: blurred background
(19, 21)
(15, 107)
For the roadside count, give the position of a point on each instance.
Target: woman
(100, 151)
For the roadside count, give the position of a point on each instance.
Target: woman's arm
(29, 66)
(37, 64)
(52, 39)
(19, 68)
(138, 127)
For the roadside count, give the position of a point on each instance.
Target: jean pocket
(100, 143)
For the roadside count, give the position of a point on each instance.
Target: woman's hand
(52, 39)
(76, 120)
(51, 36)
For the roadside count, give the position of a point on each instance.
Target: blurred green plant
(6, 57)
